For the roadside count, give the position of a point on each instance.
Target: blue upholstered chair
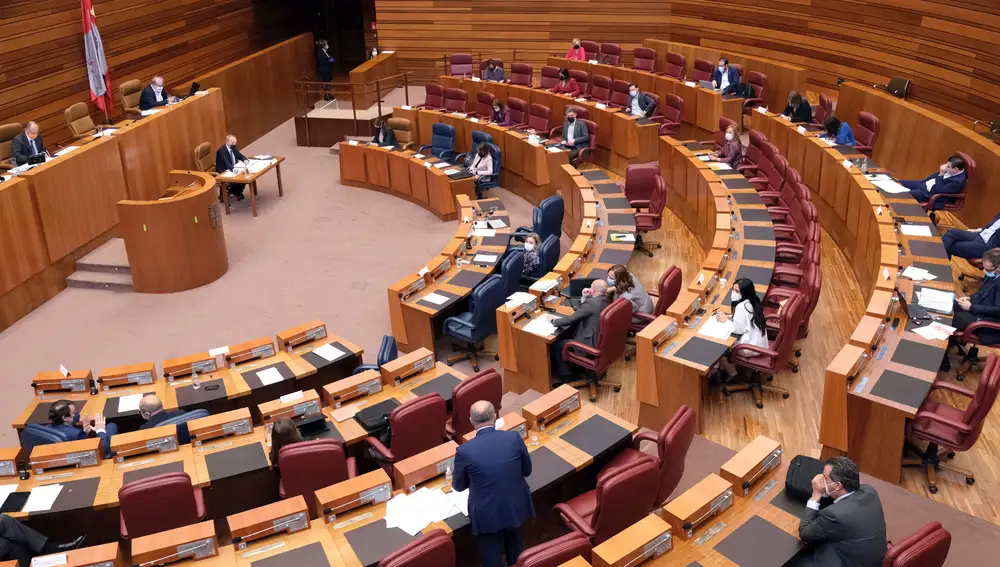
(35, 434)
(476, 325)
(549, 256)
(387, 352)
(546, 220)
(183, 436)
(442, 142)
(477, 138)
(510, 270)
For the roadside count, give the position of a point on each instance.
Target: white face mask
(729, 136)
(735, 296)
(722, 68)
(529, 246)
(633, 92)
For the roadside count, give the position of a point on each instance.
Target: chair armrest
(639, 204)
(789, 247)
(646, 217)
(746, 167)
(784, 229)
(421, 149)
(759, 180)
(577, 345)
(554, 131)
(739, 349)
(787, 275)
(969, 335)
(574, 521)
(448, 155)
(943, 421)
(747, 102)
(381, 449)
(449, 430)
(457, 321)
(953, 388)
(364, 368)
(352, 467)
(649, 435)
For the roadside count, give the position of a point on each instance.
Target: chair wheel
(618, 388)
(726, 392)
(960, 377)
(658, 246)
(760, 406)
(795, 368)
(785, 395)
(450, 363)
(951, 455)
(496, 357)
(770, 378)
(961, 277)
(932, 489)
(970, 481)
(593, 399)
(475, 368)
(627, 358)
(798, 353)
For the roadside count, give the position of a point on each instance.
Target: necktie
(34, 150)
(232, 156)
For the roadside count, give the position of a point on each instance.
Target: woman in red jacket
(566, 84)
(576, 52)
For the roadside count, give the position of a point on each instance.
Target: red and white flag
(97, 67)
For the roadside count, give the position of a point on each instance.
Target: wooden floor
(734, 421)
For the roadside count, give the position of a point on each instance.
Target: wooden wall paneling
(22, 246)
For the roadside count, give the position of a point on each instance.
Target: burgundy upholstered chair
(520, 74)
(435, 97)
(518, 111)
(672, 443)
(485, 385)
(176, 501)
(600, 90)
(582, 78)
(673, 111)
(866, 133)
(824, 110)
(610, 346)
(550, 76)
(433, 549)
(610, 54)
(619, 93)
(702, 70)
(455, 100)
(539, 117)
(758, 81)
(928, 547)
(640, 181)
(484, 105)
(644, 59)
(310, 465)
(624, 495)
(461, 65)
(668, 288)
(590, 49)
(415, 426)
(719, 138)
(953, 202)
(556, 552)
(657, 115)
(675, 66)
(652, 219)
(588, 153)
(753, 152)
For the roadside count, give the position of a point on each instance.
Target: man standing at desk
(588, 325)
(725, 78)
(493, 467)
(153, 95)
(226, 159)
(26, 144)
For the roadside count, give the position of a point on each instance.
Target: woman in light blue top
(623, 284)
(840, 131)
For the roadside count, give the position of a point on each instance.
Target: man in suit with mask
(725, 78)
(587, 321)
(26, 144)
(153, 95)
(575, 134)
(226, 158)
(984, 305)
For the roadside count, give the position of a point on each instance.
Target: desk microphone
(278, 526)
(328, 511)
(177, 554)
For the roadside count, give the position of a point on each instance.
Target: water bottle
(267, 434)
(195, 382)
(864, 166)
(448, 475)
(374, 51)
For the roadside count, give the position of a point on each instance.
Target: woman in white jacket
(481, 165)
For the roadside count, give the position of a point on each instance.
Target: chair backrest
(171, 495)
(788, 328)
(753, 150)
(868, 128)
(669, 288)
(7, 134)
(443, 136)
(600, 88)
(484, 103)
(497, 160)
(581, 111)
(675, 66)
(433, 549)
(758, 81)
(640, 179)
(548, 255)
(624, 494)
(674, 109)
(928, 547)
(402, 128)
(455, 100)
(644, 59)
(592, 130)
(703, 69)
(619, 92)
(480, 137)
(435, 96)
(308, 466)
(550, 77)
(417, 425)
(518, 110)
(970, 167)
(612, 334)
(720, 136)
(485, 62)
(538, 117)
(130, 91)
(511, 270)
(461, 64)
(552, 210)
(657, 201)
(486, 298)
(204, 158)
(610, 54)
(590, 48)
(36, 434)
(672, 446)
(657, 104)
(556, 552)
(78, 118)
(485, 385)
(520, 74)
(582, 79)
(388, 350)
(738, 67)
(982, 402)
(824, 110)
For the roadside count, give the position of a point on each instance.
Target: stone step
(110, 258)
(101, 280)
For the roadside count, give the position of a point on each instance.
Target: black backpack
(798, 479)
(375, 420)
(745, 90)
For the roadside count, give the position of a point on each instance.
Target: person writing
(20, 543)
(840, 131)
(153, 95)
(748, 322)
(724, 78)
(798, 109)
(64, 419)
(575, 135)
(732, 152)
(501, 114)
(566, 85)
(384, 135)
(624, 284)
(227, 158)
(973, 243)
(283, 433)
(586, 323)
(493, 72)
(639, 104)
(851, 531)
(26, 144)
(493, 467)
(984, 305)
(950, 179)
(576, 53)
(481, 165)
(531, 257)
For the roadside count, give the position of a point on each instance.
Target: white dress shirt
(636, 110)
(814, 505)
(568, 135)
(988, 232)
(724, 81)
(158, 91)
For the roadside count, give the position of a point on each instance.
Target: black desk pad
(737, 183)
(758, 253)
(695, 564)
(546, 468)
(329, 433)
(759, 543)
(111, 408)
(942, 271)
(486, 204)
(311, 555)
(615, 256)
(727, 301)
(908, 210)
(76, 494)
(702, 351)
(250, 376)
(758, 233)
(643, 121)
(785, 502)
(132, 476)
(757, 275)
(41, 412)
(451, 299)
(847, 150)
(374, 541)
(616, 203)
(901, 388)
(607, 188)
(236, 461)
(594, 175)
(621, 219)
(928, 248)
(596, 435)
(457, 521)
(467, 278)
(382, 408)
(698, 146)
(755, 215)
(442, 385)
(918, 355)
(597, 273)
(747, 199)
(460, 175)
(14, 502)
(188, 396)
(318, 361)
(495, 240)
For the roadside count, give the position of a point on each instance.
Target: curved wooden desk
(177, 243)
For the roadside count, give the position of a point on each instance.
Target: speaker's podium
(175, 243)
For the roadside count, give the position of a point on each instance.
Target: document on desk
(484, 258)
(497, 223)
(442, 164)
(346, 412)
(716, 329)
(935, 300)
(436, 298)
(451, 171)
(42, 498)
(889, 186)
(461, 498)
(410, 512)
(935, 331)
(719, 166)
(329, 352)
(129, 403)
(915, 229)
(829, 142)
(621, 237)
(542, 325)
(543, 286)
(553, 149)
(66, 150)
(918, 274)
(705, 157)
(270, 376)
(519, 298)
(485, 232)
(5, 491)
(105, 133)
(49, 560)
(229, 173)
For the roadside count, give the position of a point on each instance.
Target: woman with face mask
(566, 85)
(748, 321)
(481, 165)
(576, 52)
(732, 152)
(493, 72)
(622, 283)
(531, 258)
(501, 114)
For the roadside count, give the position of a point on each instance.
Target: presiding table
(256, 167)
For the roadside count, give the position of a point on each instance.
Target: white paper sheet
(42, 498)
(419, 156)
(497, 223)
(442, 164)
(5, 491)
(485, 258)
(288, 398)
(129, 403)
(218, 350)
(553, 149)
(329, 352)
(66, 150)
(451, 171)
(541, 326)
(937, 300)
(716, 329)
(484, 232)
(690, 83)
(830, 142)
(49, 560)
(918, 274)
(269, 376)
(704, 157)
(461, 498)
(719, 166)
(889, 186)
(105, 133)
(436, 299)
(519, 298)
(404, 512)
(915, 229)
(601, 105)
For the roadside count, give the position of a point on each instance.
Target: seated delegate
(501, 114)
(586, 323)
(984, 305)
(732, 152)
(384, 135)
(575, 135)
(639, 103)
(725, 78)
(623, 283)
(798, 109)
(949, 180)
(227, 158)
(973, 243)
(576, 53)
(531, 258)
(840, 131)
(20, 543)
(64, 419)
(481, 165)
(748, 322)
(26, 144)
(566, 84)
(153, 95)
(283, 432)
(492, 72)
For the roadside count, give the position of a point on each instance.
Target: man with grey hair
(154, 95)
(851, 531)
(586, 323)
(227, 158)
(26, 144)
(151, 410)
(493, 467)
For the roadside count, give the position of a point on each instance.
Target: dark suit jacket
(986, 306)
(734, 79)
(20, 148)
(581, 136)
(646, 103)
(324, 65)
(800, 113)
(848, 533)
(73, 433)
(587, 319)
(942, 186)
(183, 437)
(388, 137)
(147, 98)
(994, 241)
(225, 163)
(493, 466)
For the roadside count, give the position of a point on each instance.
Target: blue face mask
(611, 282)
(992, 274)
(722, 69)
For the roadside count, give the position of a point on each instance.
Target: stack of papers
(889, 186)
(229, 173)
(519, 298)
(436, 298)
(543, 285)
(497, 223)
(935, 331)
(542, 325)
(918, 274)
(414, 512)
(690, 83)
(442, 164)
(829, 142)
(601, 105)
(487, 232)
(915, 229)
(66, 150)
(936, 300)
(621, 237)
(553, 149)
(419, 156)
(878, 177)
(718, 165)
(42, 498)
(484, 258)
(129, 403)
(452, 171)
(704, 157)
(716, 329)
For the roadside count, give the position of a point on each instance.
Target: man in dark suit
(151, 410)
(575, 135)
(849, 532)
(587, 321)
(973, 243)
(725, 78)
(949, 180)
(62, 414)
(153, 95)
(20, 543)
(984, 305)
(26, 144)
(384, 135)
(324, 66)
(639, 103)
(226, 158)
(493, 466)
